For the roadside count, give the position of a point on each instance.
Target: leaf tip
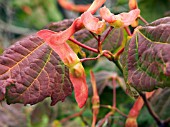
(44, 34)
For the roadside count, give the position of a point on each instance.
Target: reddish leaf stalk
(95, 99)
(72, 116)
(86, 59)
(93, 35)
(108, 32)
(70, 6)
(116, 109)
(99, 44)
(154, 115)
(105, 118)
(116, 56)
(128, 31)
(143, 20)
(83, 46)
(113, 106)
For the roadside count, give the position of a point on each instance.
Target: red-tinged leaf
(107, 15)
(92, 23)
(78, 78)
(60, 46)
(135, 110)
(70, 6)
(30, 71)
(131, 122)
(146, 60)
(120, 20)
(69, 57)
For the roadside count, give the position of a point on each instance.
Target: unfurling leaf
(146, 59)
(69, 57)
(92, 23)
(120, 20)
(30, 71)
(131, 121)
(133, 4)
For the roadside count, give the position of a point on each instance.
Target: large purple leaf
(146, 59)
(30, 71)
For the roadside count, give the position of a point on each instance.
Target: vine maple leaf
(120, 20)
(57, 41)
(92, 23)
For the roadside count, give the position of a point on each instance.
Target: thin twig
(105, 118)
(154, 115)
(108, 32)
(86, 59)
(116, 109)
(143, 20)
(93, 35)
(99, 44)
(128, 31)
(83, 46)
(120, 112)
(72, 116)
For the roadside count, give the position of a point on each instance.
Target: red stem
(143, 20)
(82, 45)
(72, 116)
(105, 118)
(108, 32)
(86, 59)
(128, 31)
(93, 35)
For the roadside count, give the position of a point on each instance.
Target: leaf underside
(146, 59)
(30, 71)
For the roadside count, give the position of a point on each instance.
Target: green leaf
(146, 59)
(30, 71)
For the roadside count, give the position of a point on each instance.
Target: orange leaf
(92, 23)
(57, 41)
(133, 4)
(70, 6)
(120, 20)
(78, 78)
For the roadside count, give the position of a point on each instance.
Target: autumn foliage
(51, 67)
